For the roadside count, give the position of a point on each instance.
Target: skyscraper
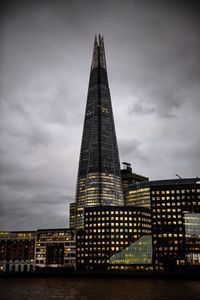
(99, 179)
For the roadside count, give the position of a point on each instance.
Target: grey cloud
(21, 218)
(141, 109)
(131, 149)
(127, 147)
(167, 101)
(164, 104)
(31, 210)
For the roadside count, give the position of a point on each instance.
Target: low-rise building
(27, 251)
(55, 248)
(17, 251)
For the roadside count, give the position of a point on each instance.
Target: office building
(108, 231)
(55, 248)
(99, 179)
(175, 208)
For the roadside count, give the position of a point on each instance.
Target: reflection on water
(98, 289)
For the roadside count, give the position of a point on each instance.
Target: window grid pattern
(107, 231)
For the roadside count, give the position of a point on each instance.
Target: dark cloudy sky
(153, 60)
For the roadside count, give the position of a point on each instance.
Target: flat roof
(114, 207)
(165, 182)
(53, 229)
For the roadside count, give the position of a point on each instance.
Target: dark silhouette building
(99, 178)
(128, 177)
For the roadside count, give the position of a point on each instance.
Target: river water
(98, 289)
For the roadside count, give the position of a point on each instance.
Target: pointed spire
(95, 41)
(102, 53)
(99, 38)
(98, 53)
(95, 54)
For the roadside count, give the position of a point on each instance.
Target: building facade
(175, 207)
(26, 251)
(55, 248)
(99, 178)
(17, 251)
(108, 230)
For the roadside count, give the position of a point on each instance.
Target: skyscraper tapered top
(98, 58)
(99, 180)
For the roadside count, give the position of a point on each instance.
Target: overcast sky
(153, 61)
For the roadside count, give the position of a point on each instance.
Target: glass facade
(99, 178)
(139, 197)
(192, 225)
(139, 252)
(192, 234)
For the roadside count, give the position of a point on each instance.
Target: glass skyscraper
(99, 179)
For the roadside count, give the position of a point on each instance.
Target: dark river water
(98, 288)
